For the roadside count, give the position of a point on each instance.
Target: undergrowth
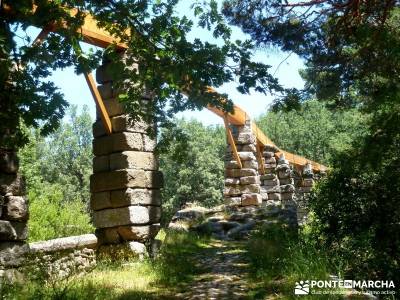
(158, 278)
(280, 257)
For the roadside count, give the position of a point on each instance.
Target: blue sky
(76, 91)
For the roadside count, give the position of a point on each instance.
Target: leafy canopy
(157, 38)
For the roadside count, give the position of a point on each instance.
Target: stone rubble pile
(227, 222)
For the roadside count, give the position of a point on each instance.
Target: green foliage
(357, 204)
(52, 217)
(279, 257)
(57, 171)
(351, 52)
(169, 62)
(314, 131)
(161, 278)
(192, 165)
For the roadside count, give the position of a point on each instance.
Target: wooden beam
(231, 142)
(99, 102)
(94, 35)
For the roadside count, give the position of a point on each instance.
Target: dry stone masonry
(242, 185)
(13, 213)
(125, 184)
(280, 186)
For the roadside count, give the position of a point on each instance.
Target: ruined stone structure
(280, 185)
(242, 185)
(126, 183)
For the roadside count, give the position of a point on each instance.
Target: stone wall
(13, 212)
(62, 257)
(125, 184)
(280, 186)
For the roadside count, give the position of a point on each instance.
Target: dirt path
(225, 273)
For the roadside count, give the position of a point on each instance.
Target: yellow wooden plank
(99, 102)
(232, 142)
(99, 37)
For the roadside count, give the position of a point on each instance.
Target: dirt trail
(225, 276)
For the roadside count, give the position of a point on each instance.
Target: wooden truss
(93, 34)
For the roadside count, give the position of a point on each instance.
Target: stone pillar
(242, 186)
(125, 185)
(306, 184)
(286, 188)
(13, 213)
(269, 181)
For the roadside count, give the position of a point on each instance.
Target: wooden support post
(99, 102)
(232, 141)
(260, 158)
(41, 36)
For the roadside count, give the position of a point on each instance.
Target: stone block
(101, 164)
(138, 233)
(8, 162)
(131, 215)
(250, 188)
(274, 196)
(269, 171)
(13, 254)
(245, 138)
(149, 143)
(234, 173)
(232, 191)
(251, 199)
(264, 196)
(286, 181)
(284, 173)
(133, 160)
(125, 123)
(268, 155)
(249, 148)
(272, 189)
(287, 196)
(13, 231)
(270, 160)
(107, 91)
(250, 180)
(270, 166)
(232, 181)
(66, 243)
(233, 201)
(272, 182)
(104, 74)
(113, 108)
(13, 184)
(245, 156)
(287, 188)
(100, 200)
(308, 182)
(118, 142)
(116, 180)
(130, 196)
(16, 208)
(268, 177)
(232, 164)
(250, 164)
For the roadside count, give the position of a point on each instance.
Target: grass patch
(279, 257)
(160, 278)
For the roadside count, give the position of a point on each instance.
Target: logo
(302, 287)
